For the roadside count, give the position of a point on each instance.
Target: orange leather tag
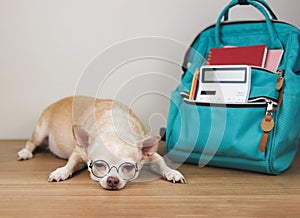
(263, 142)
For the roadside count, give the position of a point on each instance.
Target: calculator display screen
(224, 75)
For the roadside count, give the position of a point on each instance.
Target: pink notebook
(273, 59)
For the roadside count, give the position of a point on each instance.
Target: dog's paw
(174, 176)
(59, 174)
(24, 154)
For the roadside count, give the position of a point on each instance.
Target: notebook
(242, 55)
(273, 59)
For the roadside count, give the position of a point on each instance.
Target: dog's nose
(112, 182)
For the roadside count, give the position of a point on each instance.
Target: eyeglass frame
(110, 168)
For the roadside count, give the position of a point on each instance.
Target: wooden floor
(210, 192)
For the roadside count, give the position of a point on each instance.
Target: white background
(45, 46)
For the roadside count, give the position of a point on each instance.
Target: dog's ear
(149, 145)
(82, 137)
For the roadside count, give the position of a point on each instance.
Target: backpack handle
(262, 2)
(275, 42)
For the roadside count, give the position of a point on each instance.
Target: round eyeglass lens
(127, 171)
(100, 168)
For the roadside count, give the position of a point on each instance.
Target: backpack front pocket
(219, 130)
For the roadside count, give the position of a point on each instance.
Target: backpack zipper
(267, 125)
(253, 102)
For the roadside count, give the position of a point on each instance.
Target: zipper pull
(267, 125)
(270, 106)
(280, 73)
(280, 80)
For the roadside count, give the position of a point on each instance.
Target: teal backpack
(260, 136)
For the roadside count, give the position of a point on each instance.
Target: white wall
(46, 46)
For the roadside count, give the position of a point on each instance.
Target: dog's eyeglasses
(126, 171)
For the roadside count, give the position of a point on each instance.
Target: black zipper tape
(245, 105)
(258, 104)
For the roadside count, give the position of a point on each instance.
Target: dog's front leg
(75, 163)
(157, 163)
